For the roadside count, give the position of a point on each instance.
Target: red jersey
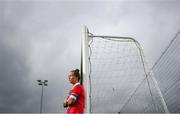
(78, 94)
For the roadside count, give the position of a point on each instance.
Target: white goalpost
(85, 67)
(116, 77)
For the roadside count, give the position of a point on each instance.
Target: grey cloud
(13, 77)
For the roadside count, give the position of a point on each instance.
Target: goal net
(116, 78)
(167, 72)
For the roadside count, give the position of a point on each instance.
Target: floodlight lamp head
(45, 80)
(39, 80)
(40, 84)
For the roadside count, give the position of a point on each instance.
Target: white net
(167, 73)
(118, 78)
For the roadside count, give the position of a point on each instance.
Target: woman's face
(72, 78)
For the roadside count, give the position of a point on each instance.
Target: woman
(75, 99)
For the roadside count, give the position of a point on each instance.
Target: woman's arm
(70, 101)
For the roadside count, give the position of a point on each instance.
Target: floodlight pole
(85, 67)
(42, 84)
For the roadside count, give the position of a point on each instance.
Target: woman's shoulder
(79, 86)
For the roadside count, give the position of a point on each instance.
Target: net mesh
(118, 80)
(167, 73)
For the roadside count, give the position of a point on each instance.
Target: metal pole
(85, 68)
(41, 98)
(42, 91)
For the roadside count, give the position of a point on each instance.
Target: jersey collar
(76, 84)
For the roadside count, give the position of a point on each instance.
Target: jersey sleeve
(76, 91)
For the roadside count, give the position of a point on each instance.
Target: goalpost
(85, 67)
(116, 77)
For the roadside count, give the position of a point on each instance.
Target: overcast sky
(41, 40)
